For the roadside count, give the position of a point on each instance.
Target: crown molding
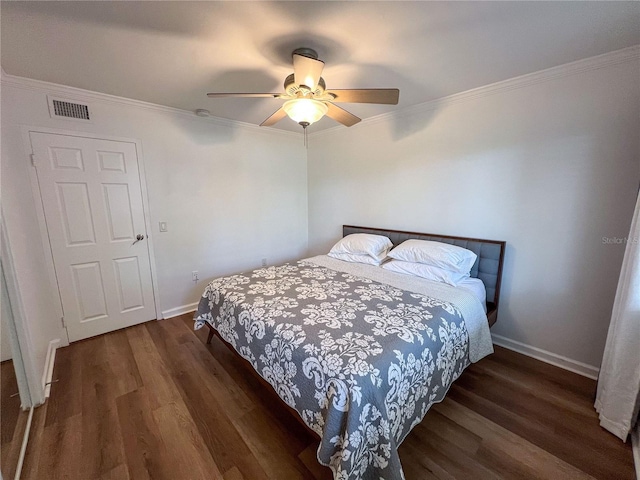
(598, 62)
(74, 93)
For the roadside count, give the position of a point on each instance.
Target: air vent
(70, 110)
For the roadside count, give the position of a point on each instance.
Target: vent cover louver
(70, 110)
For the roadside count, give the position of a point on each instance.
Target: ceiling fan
(307, 97)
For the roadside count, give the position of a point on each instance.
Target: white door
(92, 201)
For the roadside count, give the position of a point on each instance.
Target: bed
(359, 353)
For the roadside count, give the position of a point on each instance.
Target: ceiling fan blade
(341, 115)
(275, 118)
(387, 96)
(248, 95)
(307, 70)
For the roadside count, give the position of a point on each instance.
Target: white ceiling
(173, 53)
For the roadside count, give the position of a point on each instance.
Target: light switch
(163, 226)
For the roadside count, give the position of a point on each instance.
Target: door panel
(89, 289)
(129, 283)
(112, 162)
(73, 202)
(92, 201)
(66, 158)
(118, 204)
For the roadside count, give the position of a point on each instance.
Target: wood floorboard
(62, 455)
(418, 464)
(178, 431)
(157, 378)
(155, 402)
(100, 425)
(272, 445)
(222, 439)
(146, 454)
(233, 474)
(546, 426)
(9, 403)
(13, 420)
(509, 446)
(67, 400)
(11, 451)
(449, 456)
(123, 365)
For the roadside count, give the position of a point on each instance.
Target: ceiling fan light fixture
(305, 111)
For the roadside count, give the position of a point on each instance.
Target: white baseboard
(182, 309)
(548, 357)
(47, 375)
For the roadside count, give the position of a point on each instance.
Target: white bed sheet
(475, 286)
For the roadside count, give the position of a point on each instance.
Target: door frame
(26, 131)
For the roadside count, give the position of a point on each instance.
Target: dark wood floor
(153, 401)
(12, 420)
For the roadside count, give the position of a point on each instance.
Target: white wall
(230, 194)
(551, 168)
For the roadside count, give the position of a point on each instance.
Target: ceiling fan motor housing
(292, 89)
(307, 52)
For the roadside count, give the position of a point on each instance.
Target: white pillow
(437, 254)
(426, 271)
(360, 258)
(363, 244)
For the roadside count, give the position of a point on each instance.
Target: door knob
(138, 238)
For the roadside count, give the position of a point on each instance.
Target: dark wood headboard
(488, 266)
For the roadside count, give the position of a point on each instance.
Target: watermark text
(620, 240)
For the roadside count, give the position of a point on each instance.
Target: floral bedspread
(360, 361)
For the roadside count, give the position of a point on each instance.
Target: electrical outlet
(194, 276)
(264, 262)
